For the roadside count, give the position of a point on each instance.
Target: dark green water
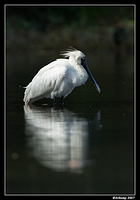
(85, 148)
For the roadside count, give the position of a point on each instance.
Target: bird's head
(76, 57)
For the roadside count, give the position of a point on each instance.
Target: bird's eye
(83, 58)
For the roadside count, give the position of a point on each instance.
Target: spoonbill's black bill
(84, 63)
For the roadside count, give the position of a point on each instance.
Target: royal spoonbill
(59, 78)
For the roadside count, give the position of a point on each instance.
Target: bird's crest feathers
(69, 52)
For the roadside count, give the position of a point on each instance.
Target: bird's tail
(27, 93)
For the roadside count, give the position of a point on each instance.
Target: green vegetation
(45, 27)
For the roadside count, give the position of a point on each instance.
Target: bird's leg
(54, 100)
(62, 100)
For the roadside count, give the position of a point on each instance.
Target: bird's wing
(48, 79)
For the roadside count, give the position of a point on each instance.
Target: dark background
(49, 27)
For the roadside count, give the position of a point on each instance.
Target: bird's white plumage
(58, 78)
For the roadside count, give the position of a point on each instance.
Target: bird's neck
(72, 61)
(76, 66)
(81, 74)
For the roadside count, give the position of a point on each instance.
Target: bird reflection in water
(58, 139)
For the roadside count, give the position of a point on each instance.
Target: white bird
(59, 78)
